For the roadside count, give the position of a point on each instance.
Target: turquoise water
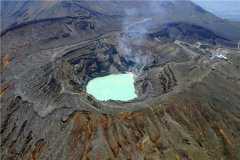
(113, 87)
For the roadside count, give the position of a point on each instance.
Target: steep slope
(180, 124)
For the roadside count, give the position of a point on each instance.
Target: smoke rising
(135, 28)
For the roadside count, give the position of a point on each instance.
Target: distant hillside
(160, 12)
(228, 9)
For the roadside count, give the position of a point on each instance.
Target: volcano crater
(62, 82)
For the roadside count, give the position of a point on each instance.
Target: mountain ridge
(162, 12)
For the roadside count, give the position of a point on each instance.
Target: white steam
(134, 32)
(136, 25)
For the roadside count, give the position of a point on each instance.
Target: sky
(229, 9)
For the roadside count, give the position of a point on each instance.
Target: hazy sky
(223, 8)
